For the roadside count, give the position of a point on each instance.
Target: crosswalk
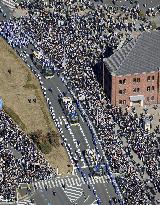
(73, 193)
(69, 182)
(25, 202)
(9, 3)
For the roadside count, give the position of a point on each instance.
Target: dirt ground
(16, 87)
(58, 161)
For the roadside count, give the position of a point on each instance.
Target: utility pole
(64, 58)
(158, 85)
(73, 170)
(97, 116)
(41, 36)
(17, 196)
(103, 71)
(57, 170)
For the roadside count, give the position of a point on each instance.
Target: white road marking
(94, 203)
(56, 183)
(81, 117)
(70, 181)
(53, 183)
(86, 199)
(73, 182)
(59, 90)
(73, 193)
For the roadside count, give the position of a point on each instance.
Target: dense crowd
(15, 168)
(72, 38)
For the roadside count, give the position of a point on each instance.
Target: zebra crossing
(73, 193)
(69, 182)
(25, 202)
(9, 3)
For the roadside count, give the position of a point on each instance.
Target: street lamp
(158, 69)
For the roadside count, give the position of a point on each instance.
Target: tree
(153, 24)
(142, 14)
(46, 147)
(53, 138)
(34, 137)
(38, 137)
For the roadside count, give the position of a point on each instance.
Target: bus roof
(67, 99)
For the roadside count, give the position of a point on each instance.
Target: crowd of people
(72, 36)
(24, 165)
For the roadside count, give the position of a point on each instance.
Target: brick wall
(126, 85)
(114, 90)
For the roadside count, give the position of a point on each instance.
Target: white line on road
(81, 117)
(107, 192)
(53, 183)
(86, 199)
(59, 90)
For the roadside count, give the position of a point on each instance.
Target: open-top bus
(69, 110)
(47, 73)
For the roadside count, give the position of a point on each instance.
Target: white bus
(69, 110)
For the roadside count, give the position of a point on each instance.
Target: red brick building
(132, 74)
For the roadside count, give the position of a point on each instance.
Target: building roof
(138, 56)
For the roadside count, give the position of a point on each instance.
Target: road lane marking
(73, 182)
(81, 117)
(49, 184)
(73, 193)
(52, 183)
(86, 199)
(94, 202)
(59, 90)
(56, 183)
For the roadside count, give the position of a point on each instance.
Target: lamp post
(158, 69)
(17, 196)
(103, 75)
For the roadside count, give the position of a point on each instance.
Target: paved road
(74, 188)
(81, 133)
(81, 182)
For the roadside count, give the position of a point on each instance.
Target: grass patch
(46, 117)
(14, 116)
(30, 86)
(16, 88)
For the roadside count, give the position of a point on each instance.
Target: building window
(152, 77)
(147, 99)
(124, 102)
(136, 90)
(120, 102)
(122, 91)
(122, 81)
(152, 98)
(148, 78)
(148, 88)
(138, 80)
(134, 80)
(152, 87)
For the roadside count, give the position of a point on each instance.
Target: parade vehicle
(47, 73)
(93, 161)
(69, 110)
(37, 55)
(36, 58)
